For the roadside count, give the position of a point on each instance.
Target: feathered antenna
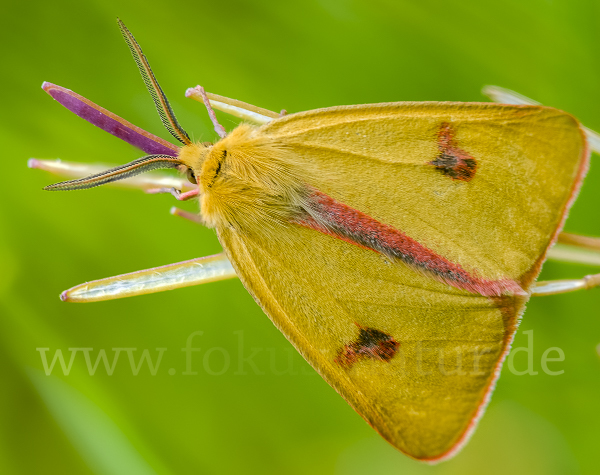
(160, 100)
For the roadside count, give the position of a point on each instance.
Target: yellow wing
(321, 291)
(378, 159)
(484, 186)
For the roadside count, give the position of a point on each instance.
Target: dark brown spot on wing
(452, 161)
(370, 344)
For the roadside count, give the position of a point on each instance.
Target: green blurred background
(273, 413)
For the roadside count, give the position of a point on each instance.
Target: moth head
(190, 157)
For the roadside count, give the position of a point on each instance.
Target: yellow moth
(395, 245)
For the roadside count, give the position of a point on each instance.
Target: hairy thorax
(247, 181)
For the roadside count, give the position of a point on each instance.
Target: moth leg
(193, 217)
(144, 182)
(506, 96)
(182, 274)
(553, 287)
(199, 94)
(236, 108)
(175, 192)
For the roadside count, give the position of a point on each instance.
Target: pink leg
(219, 129)
(175, 192)
(193, 217)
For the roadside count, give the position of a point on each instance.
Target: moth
(395, 245)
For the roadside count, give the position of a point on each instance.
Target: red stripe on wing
(343, 222)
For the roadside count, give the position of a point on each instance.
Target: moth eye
(191, 177)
